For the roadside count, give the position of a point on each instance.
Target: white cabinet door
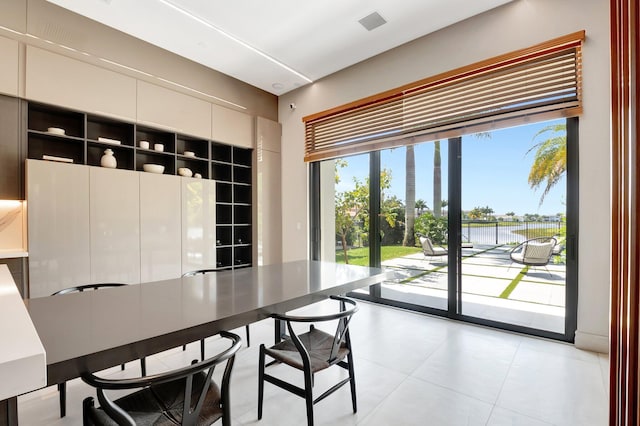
(58, 226)
(160, 227)
(231, 127)
(114, 211)
(198, 224)
(269, 200)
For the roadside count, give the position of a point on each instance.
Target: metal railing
(482, 232)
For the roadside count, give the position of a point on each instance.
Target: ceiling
(276, 45)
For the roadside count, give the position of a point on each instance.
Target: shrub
(432, 227)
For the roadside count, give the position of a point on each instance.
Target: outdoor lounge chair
(534, 252)
(428, 248)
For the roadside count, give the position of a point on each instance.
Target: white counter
(10, 254)
(23, 366)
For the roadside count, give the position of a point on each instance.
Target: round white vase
(108, 160)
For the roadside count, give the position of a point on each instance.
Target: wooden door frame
(625, 234)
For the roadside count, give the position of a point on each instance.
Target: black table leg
(9, 412)
(280, 331)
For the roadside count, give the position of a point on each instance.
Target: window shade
(543, 80)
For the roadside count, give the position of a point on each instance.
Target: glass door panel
(344, 216)
(514, 225)
(413, 214)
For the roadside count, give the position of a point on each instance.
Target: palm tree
(421, 206)
(550, 161)
(410, 198)
(437, 180)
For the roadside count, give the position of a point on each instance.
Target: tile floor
(411, 369)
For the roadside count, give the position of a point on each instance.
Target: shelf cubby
(147, 156)
(224, 257)
(242, 256)
(224, 214)
(99, 127)
(124, 155)
(195, 165)
(198, 146)
(242, 234)
(224, 235)
(41, 117)
(221, 171)
(241, 174)
(155, 137)
(242, 156)
(241, 214)
(241, 194)
(64, 147)
(224, 193)
(220, 152)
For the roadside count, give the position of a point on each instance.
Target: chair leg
(352, 379)
(122, 367)
(308, 396)
(260, 381)
(62, 390)
(201, 349)
(246, 329)
(184, 347)
(143, 366)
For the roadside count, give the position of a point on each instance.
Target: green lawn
(360, 256)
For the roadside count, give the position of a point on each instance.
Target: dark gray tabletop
(93, 330)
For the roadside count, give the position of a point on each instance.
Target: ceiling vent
(372, 21)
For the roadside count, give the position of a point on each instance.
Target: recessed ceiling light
(372, 21)
(277, 86)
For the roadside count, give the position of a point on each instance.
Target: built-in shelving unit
(231, 168)
(87, 136)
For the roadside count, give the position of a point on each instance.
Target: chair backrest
(189, 415)
(537, 251)
(198, 272)
(82, 288)
(342, 330)
(427, 246)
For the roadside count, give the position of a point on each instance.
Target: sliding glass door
(513, 226)
(480, 228)
(413, 215)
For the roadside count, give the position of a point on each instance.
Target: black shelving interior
(152, 157)
(241, 214)
(242, 256)
(242, 156)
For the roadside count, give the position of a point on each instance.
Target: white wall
(514, 26)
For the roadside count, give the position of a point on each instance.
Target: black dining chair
(62, 387)
(185, 396)
(311, 352)
(202, 272)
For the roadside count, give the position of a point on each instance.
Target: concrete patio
(492, 286)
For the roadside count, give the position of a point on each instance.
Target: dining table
(94, 330)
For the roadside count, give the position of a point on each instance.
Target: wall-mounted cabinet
(11, 163)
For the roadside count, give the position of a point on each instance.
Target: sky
(495, 171)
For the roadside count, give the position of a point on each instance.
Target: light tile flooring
(411, 369)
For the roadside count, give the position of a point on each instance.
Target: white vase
(108, 160)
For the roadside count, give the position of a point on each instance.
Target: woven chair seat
(318, 344)
(161, 405)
